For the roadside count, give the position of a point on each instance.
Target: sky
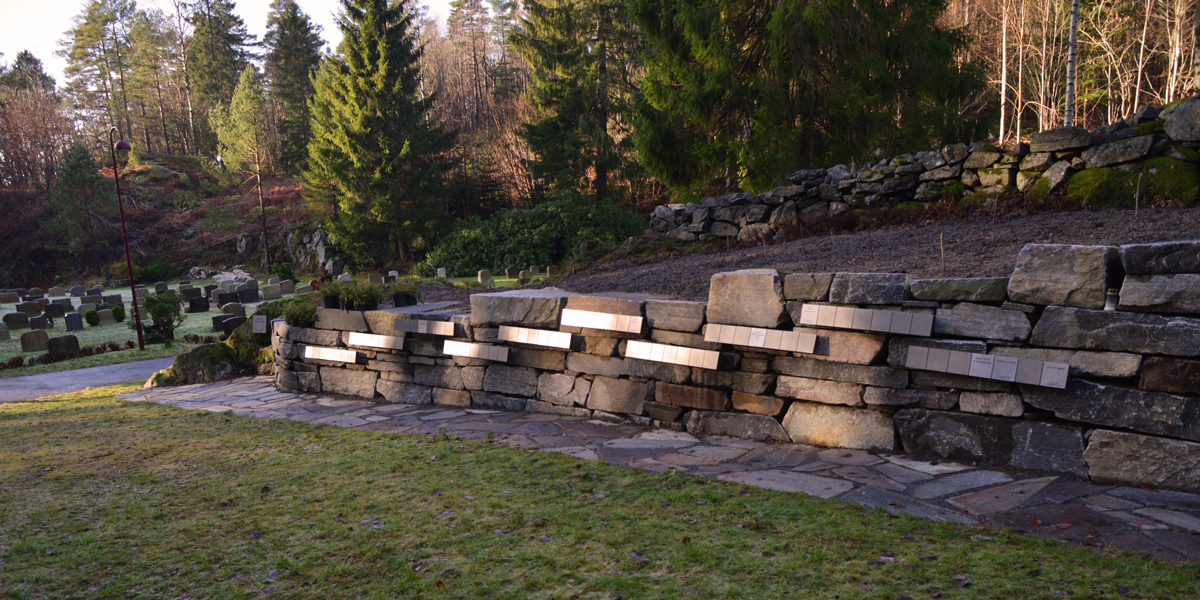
(39, 25)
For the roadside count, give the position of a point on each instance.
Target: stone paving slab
(1159, 523)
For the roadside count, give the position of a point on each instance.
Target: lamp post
(113, 148)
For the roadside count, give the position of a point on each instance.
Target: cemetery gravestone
(93, 299)
(231, 324)
(524, 278)
(552, 271)
(9, 298)
(485, 276)
(441, 272)
(304, 289)
(4, 332)
(271, 292)
(248, 295)
(375, 278)
(31, 298)
(36, 292)
(141, 292)
(160, 287)
(56, 291)
(32, 309)
(208, 289)
(344, 277)
(40, 323)
(83, 308)
(55, 311)
(111, 299)
(17, 320)
(96, 291)
(389, 279)
(77, 291)
(217, 320)
(65, 303)
(287, 286)
(223, 299)
(74, 322)
(63, 343)
(106, 317)
(533, 271)
(184, 286)
(252, 284)
(184, 282)
(34, 341)
(234, 309)
(512, 273)
(197, 305)
(393, 273)
(274, 280)
(190, 293)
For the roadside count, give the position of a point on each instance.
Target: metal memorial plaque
(918, 357)
(844, 317)
(982, 366)
(922, 324)
(757, 337)
(1005, 369)
(1054, 375)
(472, 350)
(1029, 371)
(901, 323)
(369, 340)
(939, 360)
(596, 320)
(535, 337)
(258, 323)
(808, 314)
(959, 363)
(862, 319)
(866, 319)
(987, 366)
(330, 354)
(442, 328)
(827, 316)
(881, 321)
(676, 355)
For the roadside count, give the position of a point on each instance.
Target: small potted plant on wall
(332, 293)
(404, 293)
(362, 296)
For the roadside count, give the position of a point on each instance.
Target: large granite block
(1142, 460)
(751, 427)
(539, 308)
(1155, 413)
(675, 315)
(596, 365)
(614, 304)
(868, 288)
(839, 427)
(1112, 153)
(977, 289)
(984, 322)
(438, 376)
(1174, 293)
(496, 401)
(618, 395)
(563, 390)
(807, 287)
(842, 346)
(1119, 331)
(1083, 362)
(1166, 374)
(546, 360)
(819, 390)
(1162, 257)
(403, 392)
(759, 405)
(341, 320)
(336, 380)
(1063, 275)
(821, 369)
(514, 381)
(978, 439)
(691, 396)
(752, 297)
(1062, 138)
(657, 370)
(999, 404)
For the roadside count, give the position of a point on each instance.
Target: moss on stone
(909, 206)
(1162, 179)
(1040, 189)
(1149, 127)
(953, 188)
(1189, 154)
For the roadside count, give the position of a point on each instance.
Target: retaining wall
(1029, 371)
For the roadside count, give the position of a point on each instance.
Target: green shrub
(118, 312)
(186, 200)
(361, 293)
(300, 310)
(165, 312)
(159, 269)
(549, 233)
(285, 271)
(92, 317)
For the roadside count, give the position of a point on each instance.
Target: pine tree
(374, 156)
(219, 52)
(26, 74)
(293, 54)
(83, 204)
(241, 129)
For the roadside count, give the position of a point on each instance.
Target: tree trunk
(1195, 85)
(1003, 68)
(1072, 53)
(1141, 65)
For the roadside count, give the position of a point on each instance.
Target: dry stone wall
(1085, 361)
(1157, 148)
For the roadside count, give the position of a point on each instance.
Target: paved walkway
(29, 387)
(1160, 523)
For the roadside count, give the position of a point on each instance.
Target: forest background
(520, 131)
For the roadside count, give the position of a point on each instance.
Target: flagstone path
(1160, 523)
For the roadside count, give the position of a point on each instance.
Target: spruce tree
(241, 129)
(83, 204)
(374, 156)
(219, 51)
(293, 54)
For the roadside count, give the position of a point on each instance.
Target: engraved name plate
(757, 337)
(472, 350)
(596, 320)
(986, 366)
(676, 355)
(369, 340)
(330, 354)
(535, 337)
(442, 328)
(866, 319)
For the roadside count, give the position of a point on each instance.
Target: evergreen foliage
(84, 206)
(240, 125)
(374, 164)
(293, 54)
(219, 53)
(26, 74)
(739, 92)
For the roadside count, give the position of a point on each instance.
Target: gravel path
(976, 248)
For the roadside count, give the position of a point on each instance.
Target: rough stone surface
(563, 390)
(821, 369)
(336, 380)
(980, 321)
(341, 320)
(842, 346)
(1163, 257)
(807, 286)
(437, 376)
(868, 288)
(1083, 362)
(616, 304)
(34, 341)
(596, 365)
(752, 297)
(819, 390)
(898, 348)
(1174, 293)
(1167, 374)
(617, 395)
(546, 360)
(514, 381)
(402, 392)
(1063, 275)
(1117, 331)
(1142, 460)
(976, 289)
(759, 405)
(497, 401)
(444, 397)
(955, 436)
(691, 397)
(657, 370)
(539, 308)
(1048, 447)
(1183, 124)
(839, 427)
(1113, 153)
(675, 315)
(62, 343)
(1155, 413)
(751, 427)
(1003, 405)
(1063, 138)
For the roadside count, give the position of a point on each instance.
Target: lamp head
(122, 149)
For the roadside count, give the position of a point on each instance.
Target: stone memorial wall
(1085, 361)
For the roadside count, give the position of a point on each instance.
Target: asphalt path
(30, 387)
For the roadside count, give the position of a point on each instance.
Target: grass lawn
(103, 498)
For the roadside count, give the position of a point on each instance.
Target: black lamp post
(123, 146)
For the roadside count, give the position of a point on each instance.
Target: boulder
(841, 346)
(982, 158)
(1118, 152)
(1164, 257)
(1154, 413)
(1167, 374)
(596, 365)
(336, 380)
(868, 288)
(1062, 274)
(756, 233)
(1141, 460)
(807, 286)
(1118, 331)
(1173, 293)
(984, 322)
(759, 405)
(752, 297)
(1037, 161)
(1057, 140)
(1183, 124)
(540, 308)
(495, 401)
(975, 289)
(839, 427)
(675, 315)
(445, 397)
(750, 427)
(976, 439)
(617, 395)
(439, 376)
(34, 341)
(657, 370)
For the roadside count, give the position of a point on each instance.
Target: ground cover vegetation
(109, 498)
(412, 133)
